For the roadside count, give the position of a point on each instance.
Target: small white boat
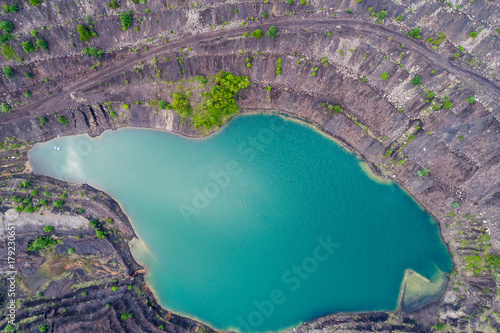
(57, 148)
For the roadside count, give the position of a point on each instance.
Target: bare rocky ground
(392, 124)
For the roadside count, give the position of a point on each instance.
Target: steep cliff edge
(366, 65)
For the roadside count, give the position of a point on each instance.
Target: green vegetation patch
(217, 105)
(41, 243)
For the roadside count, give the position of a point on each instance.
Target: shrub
(5, 108)
(8, 72)
(447, 104)
(100, 234)
(181, 105)
(126, 106)
(415, 33)
(385, 76)
(423, 172)
(272, 32)
(113, 4)
(336, 109)
(6, 26)
(473, 34)
(29, 209)
(8, 52)
(471, 99)
(84, 33)
(125, 316)
(35, 2)
(399, 18)
(265, 15)
(5, 37)
(290, 2)
(162, 104)
(278, 66)
(258, 33)
(62, 120)
(41, 243)
(42, 327)
(42, 43)
(28, 46)
(93, 52)
(382, 14)
(348, 11)
(430, 94)
(114, 288)
(236, 10)
(48, 228)
(416, 80)
(58, 203)
(126, 20)
(10, 9)
(35, 193)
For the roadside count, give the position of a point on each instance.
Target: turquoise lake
(260, 227)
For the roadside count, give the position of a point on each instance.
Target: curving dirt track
(62, 98)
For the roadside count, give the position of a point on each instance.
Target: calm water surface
(265, 225)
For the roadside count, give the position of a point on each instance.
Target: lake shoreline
(347, 148)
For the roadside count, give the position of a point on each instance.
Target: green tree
(385, 76)
(10, 9)
(41, 243)
(62, 120)
(93, 52)
(8, 52)
(265, 15)
(42, 43)
(8, 72)
(416, 80)
(28, 46)
(126, 20)
(5, 108)
(258, 34)
(71, 250)
(58, 203)
(181, 105)
(42, 327)
(471, 99)
(382, 14)
(100, 234)
(48, 228)
(415, 33)
(6, 26)
(162, 104)
(125, 316)
(84, 33)
(423, 172)
(35, 2)
(272, 32)
(113, 4)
